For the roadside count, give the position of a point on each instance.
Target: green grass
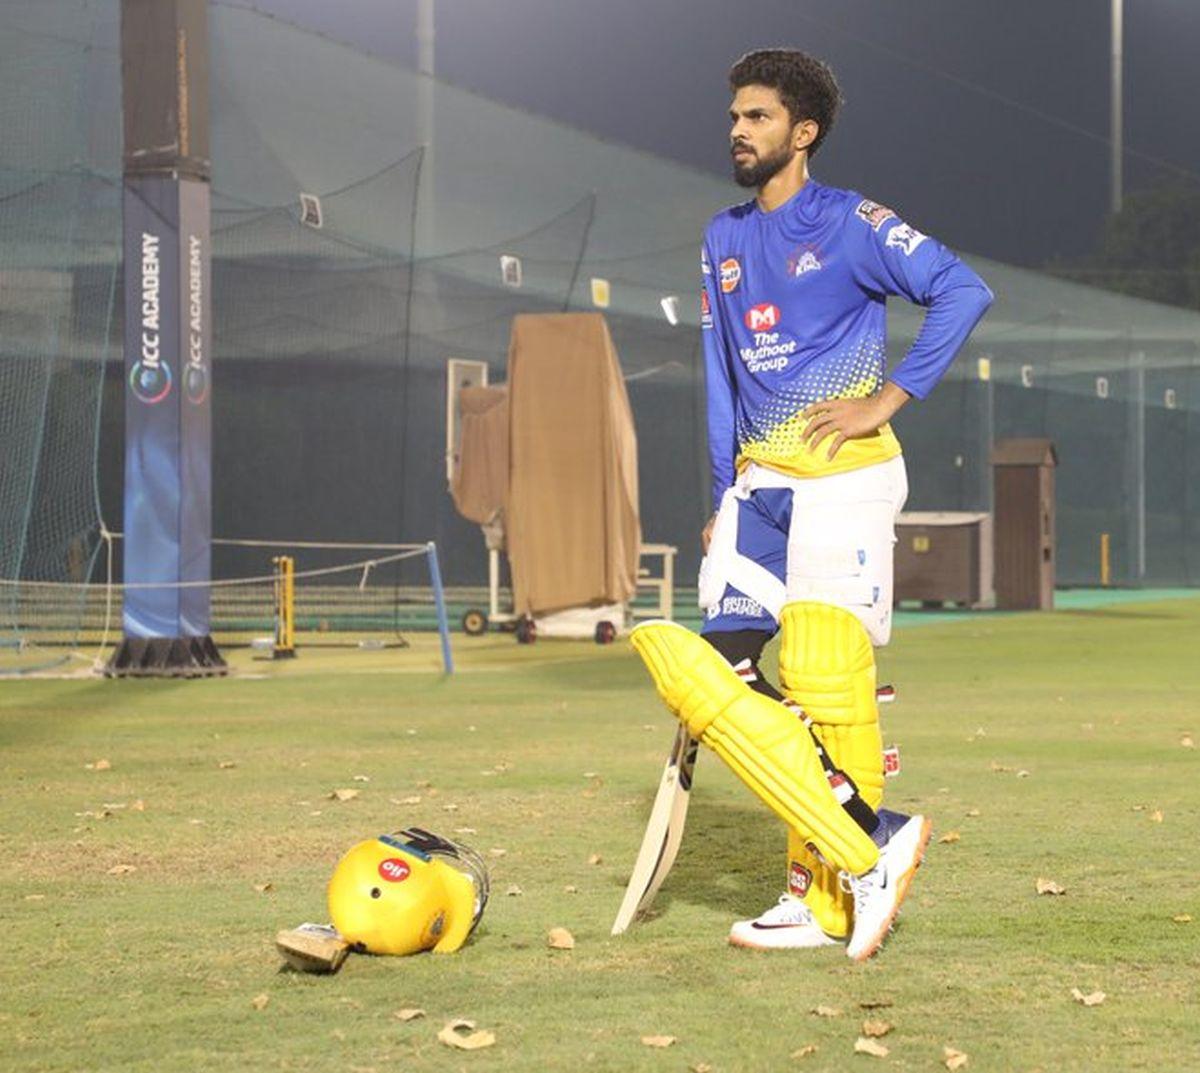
(156, 969)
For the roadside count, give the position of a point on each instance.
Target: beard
(761, 170)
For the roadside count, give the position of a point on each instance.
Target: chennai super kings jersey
(793, 312)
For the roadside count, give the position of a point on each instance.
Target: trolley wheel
(474, 623)
(526, 631)
(605, 633)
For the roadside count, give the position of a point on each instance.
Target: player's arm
(722, 441)
(898, 260)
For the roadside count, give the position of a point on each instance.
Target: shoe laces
(860, 887)
(789, 910)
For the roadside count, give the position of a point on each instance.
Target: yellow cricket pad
(764, 743)
(819, 886)
(827, 666)
(827, 663)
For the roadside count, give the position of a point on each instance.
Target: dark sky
(985, 123)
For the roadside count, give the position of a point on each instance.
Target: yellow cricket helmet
(407, 892)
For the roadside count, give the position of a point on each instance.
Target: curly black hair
(805, 85)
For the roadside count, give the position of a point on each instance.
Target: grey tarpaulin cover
(572, 519)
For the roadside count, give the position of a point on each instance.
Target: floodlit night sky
(985, 124)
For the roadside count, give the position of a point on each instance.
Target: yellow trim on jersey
(785, 450)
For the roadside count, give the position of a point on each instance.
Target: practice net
(331, 342)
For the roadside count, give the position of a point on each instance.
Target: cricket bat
(664, 831)
(312, 948)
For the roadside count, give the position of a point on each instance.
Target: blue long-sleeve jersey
(793, 312)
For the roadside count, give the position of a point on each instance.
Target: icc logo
(195, 383)
(150, 383)
(761, 318)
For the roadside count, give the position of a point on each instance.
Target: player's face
(761, 138)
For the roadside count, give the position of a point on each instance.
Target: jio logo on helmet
(394, 870)
(762, 318)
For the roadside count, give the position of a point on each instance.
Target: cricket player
(807, 480)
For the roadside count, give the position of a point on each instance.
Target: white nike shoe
(787, 925)
(879, 892)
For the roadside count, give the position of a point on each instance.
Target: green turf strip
(552, 753)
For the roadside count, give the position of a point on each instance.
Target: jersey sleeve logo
(706, 320)
(705, 267)
(873, 213)
(903, 237)
(731, 275)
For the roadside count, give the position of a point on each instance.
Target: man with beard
(807, 479)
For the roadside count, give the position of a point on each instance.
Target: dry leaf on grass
(862, 1045)
(1022, 774)
(98, 765)
(1093, 998)
(461, 1034)
(1156, 816)
(259, 1002)
(264, 888)
(876, 1029)
(122, 869)
(1182, 918)
(514, 891)
(570, 888)
(595, 858)
(972, 812)
(342, 795)
(496, 851)
(658, 1041)
(1138, 808)
(805, 1051)
(949, 836)
(560, 939)
(465, 831)
(953, 1059)
(997, 766)
(700, 1067)
(876, 1004)
(826, 1011)
(225, 765)
(35, 897)
(409, 1013)
(138, 806)
(1048, 886)
(449, 808)
(362, 778)
(1187, 742)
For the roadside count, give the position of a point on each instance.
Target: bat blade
(664, 831)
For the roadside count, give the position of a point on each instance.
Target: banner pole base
(166, 657)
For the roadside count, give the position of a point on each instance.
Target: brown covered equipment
(571, 501)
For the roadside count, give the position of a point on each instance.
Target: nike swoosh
(773, 927)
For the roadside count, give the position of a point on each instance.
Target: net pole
(439, 599)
